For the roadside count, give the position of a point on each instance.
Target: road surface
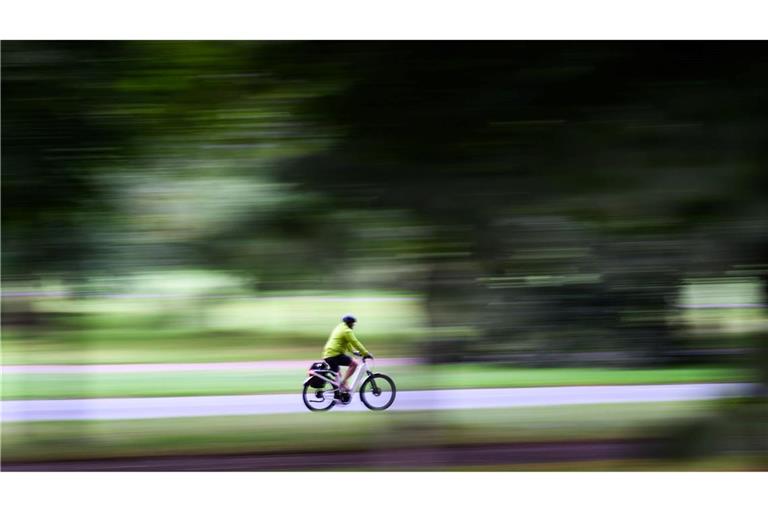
(178, 407)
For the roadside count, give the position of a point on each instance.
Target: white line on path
(195, 406)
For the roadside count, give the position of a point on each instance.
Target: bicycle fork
(374, 387)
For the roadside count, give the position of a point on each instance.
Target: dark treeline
(554, 196)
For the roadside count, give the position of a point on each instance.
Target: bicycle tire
(308, 390)
(368, 382)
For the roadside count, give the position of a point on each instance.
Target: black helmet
(348, 319)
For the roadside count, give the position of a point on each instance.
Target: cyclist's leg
(342, 360)
(333, 364)
(350, 371)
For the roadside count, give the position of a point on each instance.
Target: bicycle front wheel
(378, 392)
(317, 399)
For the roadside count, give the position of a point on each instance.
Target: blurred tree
(535, 174)
(637, 150)
(129, 155)
(51, 144)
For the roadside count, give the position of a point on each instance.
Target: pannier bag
(322, 368)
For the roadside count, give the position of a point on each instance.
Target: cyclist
(343, 340)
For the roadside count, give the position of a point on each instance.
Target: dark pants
(339, 360)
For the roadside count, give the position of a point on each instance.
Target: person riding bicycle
(343, 340)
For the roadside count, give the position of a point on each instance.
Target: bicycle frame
(362, 372)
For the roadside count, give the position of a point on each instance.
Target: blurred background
(496, 214)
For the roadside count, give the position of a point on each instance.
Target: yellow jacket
(342, 340)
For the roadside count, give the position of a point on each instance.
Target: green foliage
(555, 191)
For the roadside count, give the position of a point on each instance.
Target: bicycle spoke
(317, 403)
(378, 392)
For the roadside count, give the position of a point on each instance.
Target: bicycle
(377, 391)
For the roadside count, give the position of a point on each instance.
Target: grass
(748, 462)
(188, 327)
(345, 431)
(192, 383)
(302, 314)
(143, 344)
(266, 327)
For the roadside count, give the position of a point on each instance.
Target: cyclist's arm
(356, 345)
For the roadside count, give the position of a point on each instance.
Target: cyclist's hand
(368, 356)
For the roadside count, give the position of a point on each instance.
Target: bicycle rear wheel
(378, 392)
(317, 399)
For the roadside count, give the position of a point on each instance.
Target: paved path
(178, 367)
(174, 407)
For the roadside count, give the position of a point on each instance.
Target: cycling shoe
(342, 398)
